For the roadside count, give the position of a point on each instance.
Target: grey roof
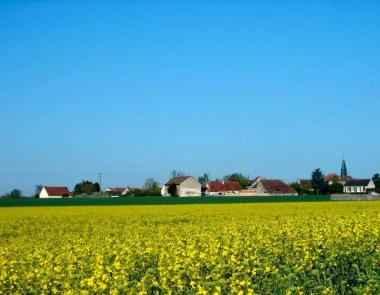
(343, 170)
(357, 182)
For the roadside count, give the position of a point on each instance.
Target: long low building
(358, 186)
(54, 192)
(227, 188)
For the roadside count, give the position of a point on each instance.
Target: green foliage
(318, 182)
(86, 187)
(16, 193)
(204, 178)
(143, 193)
(297, 187)
(336, 188)
(243, 180)
(38, 190)
(376, 180)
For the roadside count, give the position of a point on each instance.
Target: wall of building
(354, 197)
(190, 188)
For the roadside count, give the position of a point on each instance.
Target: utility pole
(100, 183)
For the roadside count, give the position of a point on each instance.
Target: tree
(16, 193)
(318, 181)
(243, 180)
(204, 178)
(298, 188)
(336, 188)
(150, 185)
(86, 187)
(176, 173)
(38, 190)
(376, 180)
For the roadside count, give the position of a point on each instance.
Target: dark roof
(227, 186)
(276, 186)
(177, 180)
(357, 182)
(57, 190)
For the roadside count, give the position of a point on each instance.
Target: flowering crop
(282, 248)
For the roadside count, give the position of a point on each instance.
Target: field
(9, 202)
(267, 248)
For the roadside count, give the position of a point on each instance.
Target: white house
(182, 186)
(54, 192)
(358, 186)
(252, 186)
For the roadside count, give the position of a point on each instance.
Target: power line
(100, 183)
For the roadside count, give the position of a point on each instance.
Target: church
(355, 186)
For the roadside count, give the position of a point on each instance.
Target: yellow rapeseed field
(293, 248)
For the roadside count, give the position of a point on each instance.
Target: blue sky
(135, 89)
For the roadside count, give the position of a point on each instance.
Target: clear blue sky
(136, 89)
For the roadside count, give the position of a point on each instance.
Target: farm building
(116, 191)
(275, 187)
(252, 184)
(215, 188)
(54, 192)
(358, 186)
(181, 186)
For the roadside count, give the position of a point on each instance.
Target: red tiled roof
(57, 190)
(228, 186)
(177, 180)
(332, 177)
(276, 186)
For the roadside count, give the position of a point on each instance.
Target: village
(187, 186)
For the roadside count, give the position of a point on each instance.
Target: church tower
(343, 170)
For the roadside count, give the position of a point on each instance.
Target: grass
(154, 201)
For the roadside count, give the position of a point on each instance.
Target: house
(217, 188)
(54, 192)
(182, 186)
(116, 191)
(275, 187)
(306, 184)
(358, 186)
(252, 184)
(332, 178)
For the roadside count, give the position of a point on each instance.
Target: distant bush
(143, 193)
(336, 188)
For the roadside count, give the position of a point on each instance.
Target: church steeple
(343, 170)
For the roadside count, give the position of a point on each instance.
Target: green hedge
(154, 201)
